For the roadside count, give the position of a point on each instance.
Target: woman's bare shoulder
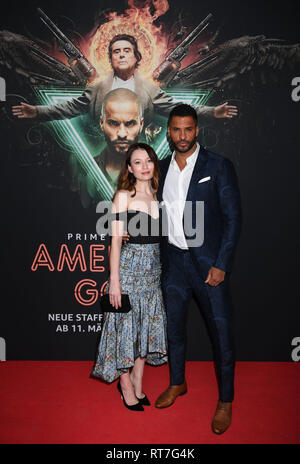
(121, 201)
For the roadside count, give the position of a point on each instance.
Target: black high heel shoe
(144, 401)
(134, 407)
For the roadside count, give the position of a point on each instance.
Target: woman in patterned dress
(128, 340)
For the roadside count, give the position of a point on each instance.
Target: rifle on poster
(80, 66)
(168, 69)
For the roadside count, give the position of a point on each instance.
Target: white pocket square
(204, 179)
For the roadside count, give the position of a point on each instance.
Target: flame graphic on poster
(138, 22)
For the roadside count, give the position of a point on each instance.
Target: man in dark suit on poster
(190, 177)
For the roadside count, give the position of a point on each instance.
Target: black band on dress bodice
(141, 226)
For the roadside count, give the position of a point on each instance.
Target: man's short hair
(130, 39)
(183, 110)
(120, 95)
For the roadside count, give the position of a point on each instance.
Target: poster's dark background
(263, 144)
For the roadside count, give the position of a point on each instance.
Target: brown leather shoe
(222, 419)
(169, 396)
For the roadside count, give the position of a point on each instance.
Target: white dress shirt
(120, 84)
(174, 196)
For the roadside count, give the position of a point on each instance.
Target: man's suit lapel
(107, 83)
(102, 88)
(198, 173)
(140, 90)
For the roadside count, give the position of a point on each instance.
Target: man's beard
(117, 146)
(184, 150)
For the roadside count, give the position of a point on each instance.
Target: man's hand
(215, 276)
(24, 111)
(225, 111)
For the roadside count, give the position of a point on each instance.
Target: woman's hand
(115, 292)
(125, 237)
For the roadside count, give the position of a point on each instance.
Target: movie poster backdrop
(56, 169)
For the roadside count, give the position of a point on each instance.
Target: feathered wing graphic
(26, 58)
(30, 63)
(222, 66)
(242, 61)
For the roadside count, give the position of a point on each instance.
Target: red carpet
(57, 402)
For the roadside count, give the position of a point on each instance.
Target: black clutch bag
(109, 308)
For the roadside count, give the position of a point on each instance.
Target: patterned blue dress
(141, 331)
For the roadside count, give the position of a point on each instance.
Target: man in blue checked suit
(200, 188)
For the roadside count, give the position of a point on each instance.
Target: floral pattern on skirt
(141, 331)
